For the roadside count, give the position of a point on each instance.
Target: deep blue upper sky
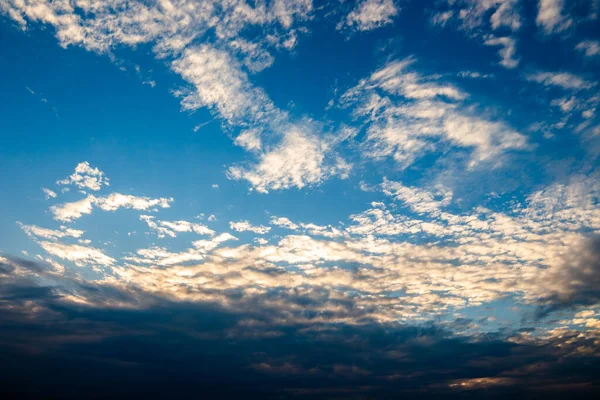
(368, 164)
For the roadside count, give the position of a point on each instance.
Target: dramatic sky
(296, 198)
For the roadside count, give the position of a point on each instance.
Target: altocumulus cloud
(412, 234)
(323, 311)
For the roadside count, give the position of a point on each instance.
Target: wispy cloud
(49, 194)
(564, 80)
(406, 111)
(370, 14)
(70, 211)
(590, 48)
(552, 16)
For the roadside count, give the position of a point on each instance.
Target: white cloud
(310, 228)
(243, 226)
(474, 75)
(163, 257)
(506, 16)
(442, 17)
(283, 222)
(551, 16)
(484, 256)
(50, 234)
(78, 255)
(396, 78)
(404, 126)
(419, 200)
(207, 43)
(204, 44)
(48, 194)
(478, 18)
(86, 177)
(223, 237)
(565, 104)
(170, 25)
(563, 80)
(320, 230)
(473, 14)
(249, 140)
(370, 14)
(590, 48)
(220, 84)
(507, 51)
(299, 160)
(112, 202)
(172, 228)
(73, 210)
(491, 255)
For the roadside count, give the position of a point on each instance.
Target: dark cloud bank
(175, 350)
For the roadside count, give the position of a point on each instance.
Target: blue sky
(369, 166)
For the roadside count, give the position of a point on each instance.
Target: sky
(300, 199)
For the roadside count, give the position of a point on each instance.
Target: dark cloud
(33, 266)
(576, 281)
(52, 348)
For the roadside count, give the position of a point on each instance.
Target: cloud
(309, 228)
(396, 299)
(283, 222)
(590, 48)
(396, 78)
(249, 140)
(300, 159)
(370, 14)
(575, 281)
(418, 260)
(170, 26)
(419, 200)
(223, 237)
(406, 261)
(93, 329)
(551, 16)
(70, 211)
(48, 194)
(86, 177)
(172, 228)
(77, 254)
(474, 75)
(482, 383)
(478, 19)
(474, 15)
(506, 16)
(244, 226)
(420, 110)
(50, 234)
(507, 52)
(210, 45)
(565, 104)
(161, 256)
(562, 80)
(220, 84)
